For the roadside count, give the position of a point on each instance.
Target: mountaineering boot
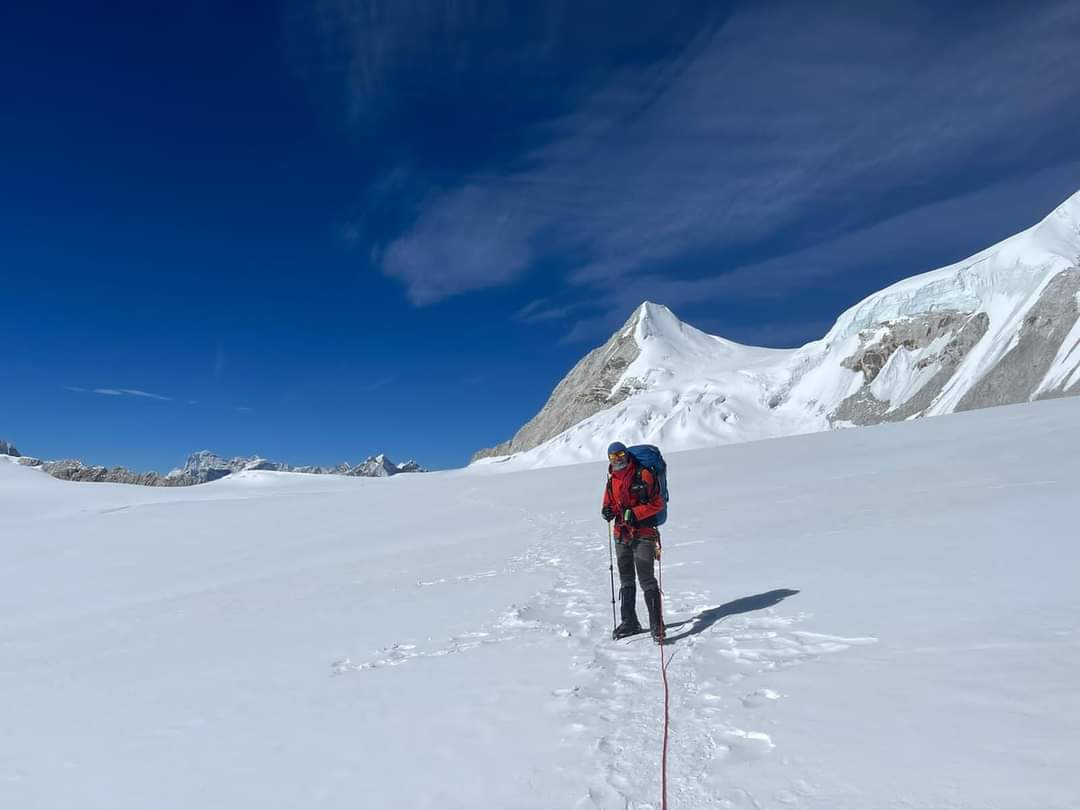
(656, 621)
(630, 623)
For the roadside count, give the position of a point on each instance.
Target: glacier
(861, 618)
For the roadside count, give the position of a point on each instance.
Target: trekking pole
(611, 572)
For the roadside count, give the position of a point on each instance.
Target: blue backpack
(649, 457)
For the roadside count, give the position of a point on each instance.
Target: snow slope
(684, 389)
(1005, 282)
(1000, 327)
(876, 618)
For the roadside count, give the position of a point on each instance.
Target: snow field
(883, 617)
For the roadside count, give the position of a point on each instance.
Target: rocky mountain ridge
(207, 466)
(202, 467)
(1000, 327)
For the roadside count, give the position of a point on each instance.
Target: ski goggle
(618, 457)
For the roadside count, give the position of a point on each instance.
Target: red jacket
(634, 488)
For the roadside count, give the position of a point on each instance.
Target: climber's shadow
(707, 618)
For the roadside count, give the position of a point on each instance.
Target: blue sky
(319, 230)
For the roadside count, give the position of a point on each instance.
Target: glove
(608, 513)
(628, 518)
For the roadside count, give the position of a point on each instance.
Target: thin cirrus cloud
(119, 392)
(541, 310)
(954, 228)
(768, 130)
(460, 245)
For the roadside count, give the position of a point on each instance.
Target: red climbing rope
(663, 674)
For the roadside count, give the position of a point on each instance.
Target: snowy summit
(1000, 327)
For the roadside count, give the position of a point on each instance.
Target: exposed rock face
(586, 390)
(958, 331)
(910, 333)
(205, 466)
(375, 467)
(73, 470)
(7, 449)
(1017, 376)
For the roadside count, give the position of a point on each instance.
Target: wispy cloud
(542, 310)
(119, 392)
(766, 134)
(131, 392)
(862, 260)
(460, 244)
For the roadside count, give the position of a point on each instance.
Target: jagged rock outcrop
(931, 345)
(205, 466)
(7, 449)
(1020, 374)
(73, 470)
(379, 466)
(911, 333)
(375, 467)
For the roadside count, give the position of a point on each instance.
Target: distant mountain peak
(204, 466)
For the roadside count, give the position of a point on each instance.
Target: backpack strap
(639, 479)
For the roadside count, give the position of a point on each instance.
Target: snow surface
(690, 389)
(274, 640)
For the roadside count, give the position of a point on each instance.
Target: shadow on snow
(707, 618)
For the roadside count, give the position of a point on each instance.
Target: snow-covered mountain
(999, 327)
(205, 466)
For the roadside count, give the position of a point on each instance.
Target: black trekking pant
(638, 556)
